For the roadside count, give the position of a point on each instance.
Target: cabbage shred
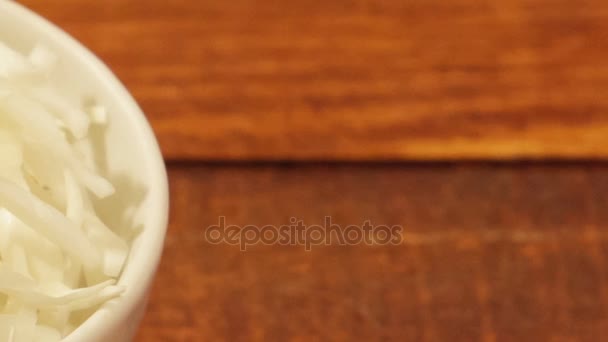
(58, 260)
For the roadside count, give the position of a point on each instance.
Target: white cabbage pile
(58, 260)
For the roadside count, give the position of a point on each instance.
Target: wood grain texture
(357, 79)
(489, 253)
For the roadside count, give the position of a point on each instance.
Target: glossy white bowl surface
(130, 158)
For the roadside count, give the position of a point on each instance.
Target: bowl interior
(127, 153)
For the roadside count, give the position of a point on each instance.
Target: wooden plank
(358, 80)
(489, 253)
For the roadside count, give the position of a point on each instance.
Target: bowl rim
(115, 312)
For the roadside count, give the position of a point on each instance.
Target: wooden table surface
(480, 127)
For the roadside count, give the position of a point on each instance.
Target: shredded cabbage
(57, 257)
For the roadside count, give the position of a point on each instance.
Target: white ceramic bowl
(132, 161)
